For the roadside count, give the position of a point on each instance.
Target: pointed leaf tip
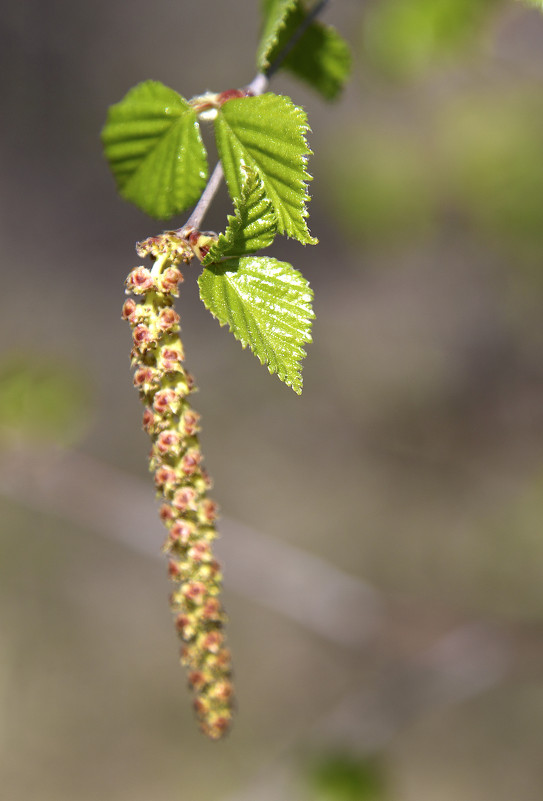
(268, 135)
(267, 305)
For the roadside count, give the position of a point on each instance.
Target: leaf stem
(199, 212)
(258, 86)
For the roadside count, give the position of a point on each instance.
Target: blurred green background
(412, 465)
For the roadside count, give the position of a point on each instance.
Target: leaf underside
(152, 142)
(267, 305)
(321, 57)
(267, 135)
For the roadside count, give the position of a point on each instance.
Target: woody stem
(257, 86)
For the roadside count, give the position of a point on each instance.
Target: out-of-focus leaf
(491, 157)
(40, 401)
(403, 38)
(321, 57)
(383, 193)
(267, 305)
(152, 142)
(345, 778)
(267, 133)
(275, 14)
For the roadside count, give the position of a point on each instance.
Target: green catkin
(182, 483)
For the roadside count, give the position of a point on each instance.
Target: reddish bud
(165, 401)
(167, 319)
(189, 422)
(223, 659)
(209, 511)
(181, 531)
(211, 641)
(198, 680)
(195, 591)
(230, 94)
(169, 280)
(182, 624)
(166, 513)
(168, 442)
(164, 476)
(212, 609)
(217, 727)
(141, 336)
(201, 705)
(140, 281)
(199, 552)
(129, 310)
(222, 691)
(144, 378)
(170, 359)
(148, 420)
(175, 571)
(184, 499)
(191, 461)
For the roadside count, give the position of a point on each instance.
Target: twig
(257, 87)
(199, 212)
(296, 36)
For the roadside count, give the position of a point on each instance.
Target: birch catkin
(187, 512)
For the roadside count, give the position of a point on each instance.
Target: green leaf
(275, 18)
(321, 57)
(536, 3)
(267, 134)
(152, 142)
(267, 305)
(253, 227)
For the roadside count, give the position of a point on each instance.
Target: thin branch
(257, 86)
(199, 212)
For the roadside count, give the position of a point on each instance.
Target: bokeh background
(383, 534)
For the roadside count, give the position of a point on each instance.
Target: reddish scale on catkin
(181, 481)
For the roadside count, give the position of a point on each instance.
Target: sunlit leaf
(267, 305)
(152, 142)
(253, 226)
(275, 13)
(267, 134)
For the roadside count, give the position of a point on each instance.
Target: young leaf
(253, 226)
(275, 18)
(267, 305)
(321, 57)
(267, 133)
(152, 142)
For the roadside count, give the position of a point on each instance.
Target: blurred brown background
(383, 536)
